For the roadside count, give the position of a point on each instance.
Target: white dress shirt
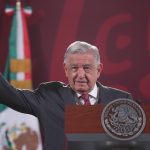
(92, 96)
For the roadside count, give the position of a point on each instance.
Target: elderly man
(82, 67)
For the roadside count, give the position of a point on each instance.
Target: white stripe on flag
(20, 43)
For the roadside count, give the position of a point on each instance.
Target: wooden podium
(84, 130)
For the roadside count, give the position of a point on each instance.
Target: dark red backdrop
(120, 28)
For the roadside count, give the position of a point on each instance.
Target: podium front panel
(84, 131)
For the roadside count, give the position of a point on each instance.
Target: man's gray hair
(82, 47)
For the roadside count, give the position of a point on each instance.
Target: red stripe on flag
(26, 36)
(27, 53)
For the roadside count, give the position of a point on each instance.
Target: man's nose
(81, 73)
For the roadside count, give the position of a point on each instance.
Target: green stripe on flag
(12, 40)
(12, 44)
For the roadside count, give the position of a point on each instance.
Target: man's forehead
(81, 65)
(78, 64)
(81, 59)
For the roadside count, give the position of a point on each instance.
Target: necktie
(86, 99)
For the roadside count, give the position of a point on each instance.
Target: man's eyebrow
(73, 65)
(88, 65)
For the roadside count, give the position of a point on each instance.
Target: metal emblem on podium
(123, 119)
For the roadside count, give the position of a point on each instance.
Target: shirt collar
(92, 93)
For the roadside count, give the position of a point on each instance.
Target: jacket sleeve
(24, 101)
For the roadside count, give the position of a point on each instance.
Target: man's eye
(87, 68)
(74, 68)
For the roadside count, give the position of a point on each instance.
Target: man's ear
(65, 69)
(99, 69)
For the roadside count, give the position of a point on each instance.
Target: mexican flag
(18, 131)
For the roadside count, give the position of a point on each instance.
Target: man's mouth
(81, 81)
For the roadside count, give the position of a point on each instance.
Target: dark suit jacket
(47, 103)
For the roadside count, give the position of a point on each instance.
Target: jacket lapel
(102, 93)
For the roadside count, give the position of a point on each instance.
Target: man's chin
(81, 86)
(81, 89)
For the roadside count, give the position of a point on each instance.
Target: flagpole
(18, 3)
